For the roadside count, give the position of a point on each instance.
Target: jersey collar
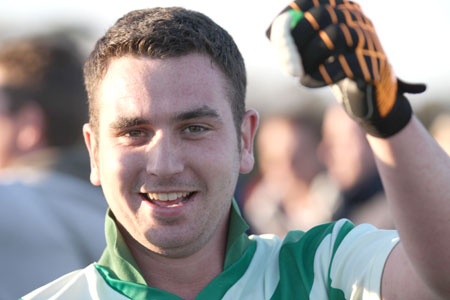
(118, 259)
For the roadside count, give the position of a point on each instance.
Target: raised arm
(416, 177)
(334, 43)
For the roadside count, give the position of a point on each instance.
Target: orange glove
(326, 42)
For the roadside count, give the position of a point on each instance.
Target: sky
(413, 34)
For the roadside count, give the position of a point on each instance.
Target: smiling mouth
(168, 200)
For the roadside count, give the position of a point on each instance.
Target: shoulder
(52, 289)
(330, 261)
(336, 258)
(86, 284)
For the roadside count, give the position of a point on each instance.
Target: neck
(186, 276)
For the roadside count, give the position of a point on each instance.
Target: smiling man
(159, 129)
(168, 136)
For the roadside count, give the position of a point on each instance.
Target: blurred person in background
(51, 218)
(292, 191)
(440, 130)
(350, 163)
(435, 115)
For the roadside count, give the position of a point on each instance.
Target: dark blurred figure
(435, 115)
(440, 130)
(51, 218)
(292, 192)
(350, 163)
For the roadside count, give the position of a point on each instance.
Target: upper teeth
(167, 196)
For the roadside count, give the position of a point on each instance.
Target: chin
(176, 247)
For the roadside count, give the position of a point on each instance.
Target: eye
(135, 133)
(195, 129)
(135, 137)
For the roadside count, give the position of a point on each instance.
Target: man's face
(166, 154)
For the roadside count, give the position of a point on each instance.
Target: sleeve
(335, 261)
(354, 258)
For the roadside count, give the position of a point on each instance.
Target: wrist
(392, 123)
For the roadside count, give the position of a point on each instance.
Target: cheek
(118, 171)
(222, 167)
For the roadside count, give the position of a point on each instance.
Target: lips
(169, 200)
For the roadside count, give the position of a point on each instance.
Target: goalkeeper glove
(332, 42)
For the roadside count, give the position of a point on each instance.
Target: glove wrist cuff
(396, 120)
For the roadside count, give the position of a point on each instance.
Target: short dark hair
(167, 32)
(49, 71)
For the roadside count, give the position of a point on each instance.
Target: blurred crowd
(51, 217)
(313, 166)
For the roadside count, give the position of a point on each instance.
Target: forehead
(157, 87)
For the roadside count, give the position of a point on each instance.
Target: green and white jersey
(335, 261)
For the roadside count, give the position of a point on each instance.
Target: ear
(91, 144)
(31, 127)
(248, 131)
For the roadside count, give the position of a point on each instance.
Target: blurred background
(313, 164)
(413, 36)
(412, 33)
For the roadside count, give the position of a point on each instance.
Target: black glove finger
(332, 12)
(317, 14)
(318, 33)
(334, 40)
(353, 65)
(319, 18)
(306, 5)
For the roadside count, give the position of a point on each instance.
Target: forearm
(416, 177)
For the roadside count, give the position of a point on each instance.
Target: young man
(168, 136)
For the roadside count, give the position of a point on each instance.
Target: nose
(164, 157)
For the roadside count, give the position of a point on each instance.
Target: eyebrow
(202, 112)
(123, 123)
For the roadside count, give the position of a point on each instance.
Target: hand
(326, 42)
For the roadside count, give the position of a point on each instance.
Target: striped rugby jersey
(336, 261)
